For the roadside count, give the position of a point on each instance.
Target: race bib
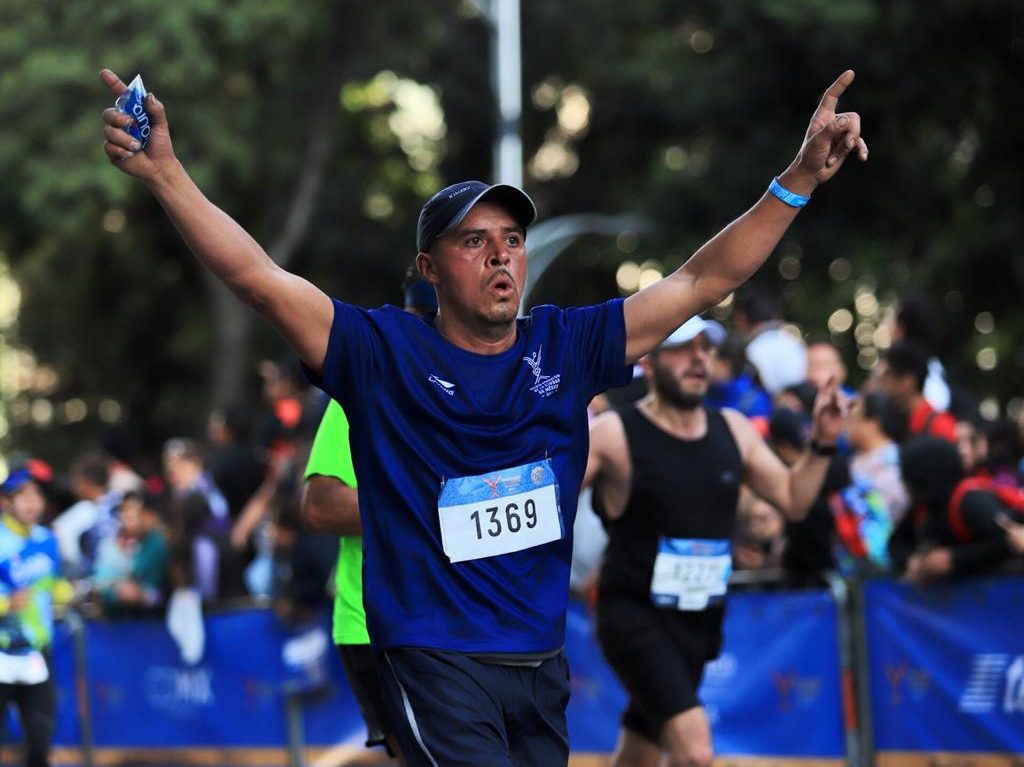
(500, 512)
(29, 668)
(690, 573)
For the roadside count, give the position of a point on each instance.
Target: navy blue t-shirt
(424, 413)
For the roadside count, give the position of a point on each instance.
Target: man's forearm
(215, 238)
(331, 507)
(806, 479)
(733, 255)
(718, 267)
(299, 310)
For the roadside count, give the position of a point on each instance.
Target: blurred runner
(666, 475)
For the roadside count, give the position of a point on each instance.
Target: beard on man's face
(670, 391)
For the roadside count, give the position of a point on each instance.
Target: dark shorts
(363, 674)
(451, 710)
(659, 656)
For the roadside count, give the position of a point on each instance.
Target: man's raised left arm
(729, 258)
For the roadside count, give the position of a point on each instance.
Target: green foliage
(693, 108)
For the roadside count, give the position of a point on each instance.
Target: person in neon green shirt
(330, 505)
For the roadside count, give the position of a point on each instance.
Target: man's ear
(646, 362)
(426, 267)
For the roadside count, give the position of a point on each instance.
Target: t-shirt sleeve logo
(543, 385)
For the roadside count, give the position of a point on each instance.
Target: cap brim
(16, 480)
(513, 199)
(713, 330)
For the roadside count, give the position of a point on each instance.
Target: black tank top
(680, 489)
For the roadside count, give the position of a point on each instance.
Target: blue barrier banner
(946, 666)
(68, 731)
(597, 699)
(331, 715)
(775, 690)
(141, 693)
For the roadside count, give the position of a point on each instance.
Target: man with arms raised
(666, 474)
(468, 429)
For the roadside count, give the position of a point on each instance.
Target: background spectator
(901, 375)
(142, 585)
(733, 386)
(30, 585)
(778, 358)
(875, 463)
(918, 321)
(186, 474)
(199, 526)
(303, 564)
(236, 465)
(940, 538)
(808, 552)
(80, 528)
(824, 361)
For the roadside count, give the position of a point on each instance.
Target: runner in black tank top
(681, 489)
(666, 475)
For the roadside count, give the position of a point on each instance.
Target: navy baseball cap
(446, 209)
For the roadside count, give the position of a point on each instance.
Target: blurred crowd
(921, 487)
(217, 514)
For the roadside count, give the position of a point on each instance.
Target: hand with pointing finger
(831, 138)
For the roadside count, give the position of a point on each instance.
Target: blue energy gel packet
(131, 103)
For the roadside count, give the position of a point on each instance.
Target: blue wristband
(792, 199)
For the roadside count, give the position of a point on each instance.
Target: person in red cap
(468, 428)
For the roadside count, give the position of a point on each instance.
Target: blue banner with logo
(773, 692)
(141, 692)
(775, 689)
(946, 666)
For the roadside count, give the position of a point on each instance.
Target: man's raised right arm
(300, 310)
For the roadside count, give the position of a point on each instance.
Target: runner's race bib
(690, 573)
(500, 512)
(29, 668)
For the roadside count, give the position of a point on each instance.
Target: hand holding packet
(131, 102)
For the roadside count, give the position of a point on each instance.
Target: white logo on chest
(543, 385)
(446, 386)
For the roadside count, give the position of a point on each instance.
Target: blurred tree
(693, 107)
(111, 303)
(679, 112)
